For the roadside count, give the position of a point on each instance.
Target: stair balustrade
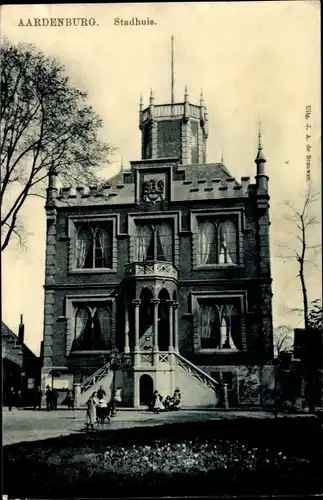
(196, 372)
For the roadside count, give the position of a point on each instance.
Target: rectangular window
(154, 242)
(217, 241)
(220, 324)
(92, 328)
(93, 245)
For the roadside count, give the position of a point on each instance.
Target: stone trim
(115, 219)
(217, 212)
(71, 303)
(195, 296)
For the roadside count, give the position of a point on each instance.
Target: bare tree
(283, 339)
(47, 126)
(304, 220)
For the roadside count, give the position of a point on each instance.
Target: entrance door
(146, 386)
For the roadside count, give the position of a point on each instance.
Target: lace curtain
(157, 241)
(92, 329)
(144, 237)
(207, 233)
(83, 243)
(93, 248)
(227, 243)
(219, 328)
(103, 241)
(104, 317)
(218, 242)
(166, 241)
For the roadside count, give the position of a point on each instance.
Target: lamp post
(115, 363)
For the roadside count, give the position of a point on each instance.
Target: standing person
(49, 398)
(156, 403)
(90, 415)
(11, 398)
(101, 393)
(54, 399)
(177, 399)
(69, 400)
(38, 394)
(18, 398)
(117, 396)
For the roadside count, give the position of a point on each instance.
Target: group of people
(98, 408)
(166, 404)
(14, 398)
(51, 396)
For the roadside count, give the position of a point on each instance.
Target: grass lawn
(210, 458)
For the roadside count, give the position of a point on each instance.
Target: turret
(174, 129)
(52, 188)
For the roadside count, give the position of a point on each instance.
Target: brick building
(168, 261)
(21, 368)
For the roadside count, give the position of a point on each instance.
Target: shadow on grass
(72, 466)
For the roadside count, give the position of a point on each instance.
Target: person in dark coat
(11, 398)
(101, 393)
(38, 394)
(54, 399)
(69, 400)
(49, 398)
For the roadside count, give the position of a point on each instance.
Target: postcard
(161, 249)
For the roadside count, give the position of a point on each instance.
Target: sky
(253, 60)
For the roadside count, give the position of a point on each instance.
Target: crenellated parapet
(217, 188)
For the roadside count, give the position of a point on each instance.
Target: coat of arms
(152, 190)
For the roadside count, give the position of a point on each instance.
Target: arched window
(154, 242)
(217, 242)
(93, 246)
(92, 328)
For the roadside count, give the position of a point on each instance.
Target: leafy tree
(47, 126)
(315, 317)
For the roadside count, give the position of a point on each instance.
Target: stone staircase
(103, 376)
(198, 389)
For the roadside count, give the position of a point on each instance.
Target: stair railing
(196, 372)
(95, 377)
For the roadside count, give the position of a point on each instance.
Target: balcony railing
(152, 269)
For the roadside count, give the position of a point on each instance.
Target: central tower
(174, 130)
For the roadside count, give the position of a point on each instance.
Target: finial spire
(260, 155)
(259, 136)
(122, 167)
(172, 69)
(186, 94)
(222, 158)
(201, 98)
(151, 97)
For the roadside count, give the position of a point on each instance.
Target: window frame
(216, 214)
(154, 226)
(73, 222)
(72, 303)
(135, 219)
(196, 298)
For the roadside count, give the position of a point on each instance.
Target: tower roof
(260, 155)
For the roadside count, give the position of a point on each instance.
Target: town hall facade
(168, 262)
